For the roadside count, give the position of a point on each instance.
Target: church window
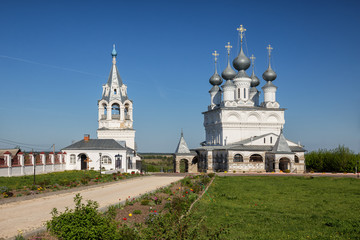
(256, 158)
(244, 93)
(129, 163)
(106, 160)
(115, 111)
(270, 139)
(296, 159)
(264, 140)
(126, 111)
(238, 92)
(238, 158)
(72, 159)
(115, 91)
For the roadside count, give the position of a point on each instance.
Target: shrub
(144, 202)
(84, 222)
(137, 211)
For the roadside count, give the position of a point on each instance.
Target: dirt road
(29, 215)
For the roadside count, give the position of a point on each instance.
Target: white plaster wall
(119, 135)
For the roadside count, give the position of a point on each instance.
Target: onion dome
(228, 83)
(241, 62)
(254, 80)
(114, 53)
(228, 73)
(215, 88)
(215, 79)
(269, 74)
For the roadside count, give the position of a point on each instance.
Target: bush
(84, 222)
(137, 212)
(144, 202)
(340, 159)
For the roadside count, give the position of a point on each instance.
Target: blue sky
(55, 56)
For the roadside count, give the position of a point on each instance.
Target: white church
(114, 148)
(243, 134)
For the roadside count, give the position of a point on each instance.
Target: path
(29, 215)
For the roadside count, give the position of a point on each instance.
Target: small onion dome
(215, 79)
(228, 73)
(254, 80)
(114, 53)
(269, 74)
(241, 62)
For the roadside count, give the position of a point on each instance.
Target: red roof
(42, 153)
(64, 152)
(51, 153)
(20, 153)
(7, 152)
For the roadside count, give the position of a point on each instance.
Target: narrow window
(264, 140)
(244, 92)
(270, 139)
(238, 92)
(115, 91)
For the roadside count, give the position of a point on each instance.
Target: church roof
(281, 145)
(95, 144)
(114, 81)
(182, 146)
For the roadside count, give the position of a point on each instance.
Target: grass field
(283, 207)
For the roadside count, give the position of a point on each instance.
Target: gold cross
(228, 46)
(252, 59)
(241, 30)
(215, 54)
(269, 48)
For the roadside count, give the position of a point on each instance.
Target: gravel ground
(31, 214)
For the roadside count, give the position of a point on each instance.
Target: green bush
(340, 159)
(137, 212)
(145, 202)
(84, 222)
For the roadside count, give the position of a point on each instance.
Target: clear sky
(55, 57)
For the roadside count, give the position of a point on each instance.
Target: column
(21, 162)
(210, 163)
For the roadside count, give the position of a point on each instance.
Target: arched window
(126, 111)
(106, 160)
(238, 158)
(105, 110)
(72, 159)
(256, 158)
(115, 91)
(115, 111)
(296, 159)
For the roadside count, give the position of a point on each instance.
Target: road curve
(29, 215)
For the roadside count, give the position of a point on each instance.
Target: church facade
(244, 134)
(114, 148)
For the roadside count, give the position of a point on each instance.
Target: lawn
(272, 207)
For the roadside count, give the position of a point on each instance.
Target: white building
(243, 134)
(115, 145)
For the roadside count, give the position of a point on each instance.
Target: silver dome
(254, 80)
(215, 79)
(269, 74)
(228, 73)
(241, 62)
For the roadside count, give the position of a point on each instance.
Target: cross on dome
(215, 54)
(269, 48)
(252, 59)
(241, 30)
(228, 47)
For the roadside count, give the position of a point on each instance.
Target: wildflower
(124, 219)
(154, 210)
(186, 192)
(130, 214)
(191, 190)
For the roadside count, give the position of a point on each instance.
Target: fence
(21, 164)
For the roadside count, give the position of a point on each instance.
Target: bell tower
(115, 109)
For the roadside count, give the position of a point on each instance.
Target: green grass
(46, 179)
(283, 207)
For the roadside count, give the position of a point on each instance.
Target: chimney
(86, 137)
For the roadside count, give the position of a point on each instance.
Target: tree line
(340, 159)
